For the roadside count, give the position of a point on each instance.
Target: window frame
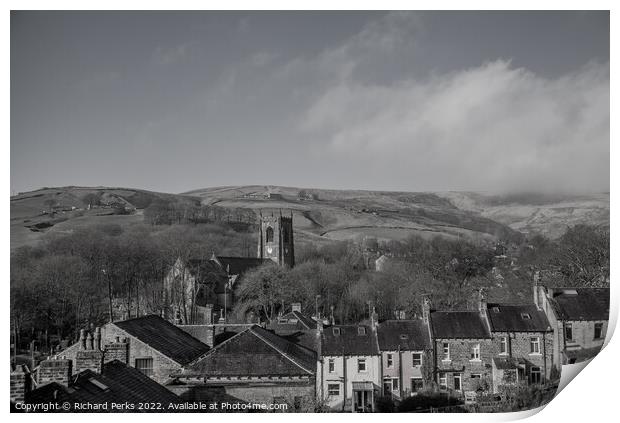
(389, 360)
(475, 352)
(503, 345)
(537, 372)
(534, 344)
(331, 365)
(598, 326)
(359, 362)
(144, 370)
(330, 389)
(446, 351)
(443, 376)
(568, 327)
(414, 359)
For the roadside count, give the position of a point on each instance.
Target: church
(202, 291)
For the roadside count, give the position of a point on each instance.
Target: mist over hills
(320, 215)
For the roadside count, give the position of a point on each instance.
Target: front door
(457, 382)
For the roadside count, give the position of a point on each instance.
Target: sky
(403, 101)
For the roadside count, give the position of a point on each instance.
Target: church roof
(240, 265)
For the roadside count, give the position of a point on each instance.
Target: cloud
(170, 55)
(493, 127)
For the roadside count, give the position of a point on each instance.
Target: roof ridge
(215, 347)
(262, 338)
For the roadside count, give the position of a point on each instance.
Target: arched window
(285, 235)
(269, 234)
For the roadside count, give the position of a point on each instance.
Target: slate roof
(512, 318)
(294, 321)
(349, 341)
(254, 352)
(410, 335)
(118, 383)
(458, 325)
(164, 337)
(587, 304)
(240, 265)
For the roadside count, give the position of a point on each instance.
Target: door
(457, 382)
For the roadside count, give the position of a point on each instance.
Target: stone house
(254, 366)
(115, 387)
(405, 348)
(349, 367)
(524, 344)
(463, 350)
(579, 318)
(150, 344)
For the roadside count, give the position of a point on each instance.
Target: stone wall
(461, 363)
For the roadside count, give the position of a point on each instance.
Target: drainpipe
(400, 373)
(344, 383)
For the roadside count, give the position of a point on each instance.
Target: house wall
(583, 334)
(345, 373)
(519, 347)
(162, 365)
(402, 369)
(300, 392)
(460, 361)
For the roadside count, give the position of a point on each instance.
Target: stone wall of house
(293, 393)
(162, 365)
(402, 369)
(519, 347)
(461, 363)
(583, 334)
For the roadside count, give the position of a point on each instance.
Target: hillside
(320, 215)
(546, 214)
(65, 209)
(339, 215)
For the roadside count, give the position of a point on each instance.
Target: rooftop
(349, 340)
(517, 318)
(581, 303)
(458, 325)
(164, 337)
(409, 335)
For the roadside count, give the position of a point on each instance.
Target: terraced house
(405, 355)
(349, 370)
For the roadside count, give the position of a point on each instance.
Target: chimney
(426, 310)
(537, 290)
(296, 307)
(209, 314)
(58, 371)
(482, 304)
(20, 382)
(97, 340)
(116, 350)
(88, 358)
(82, 339)
(374, 319)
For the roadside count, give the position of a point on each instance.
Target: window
(361, 330)
(297, 403)
(336, 331)
(535, 375)
(285, 237)
(269, 234)
(568, 331)
(475, 352)
(503, 345)
(333, 389)
(390, 360)
(443, 381)
(395, 384)
(535, 345)
(598, 330)
(457, 382)
(526, 316)
(145, 365)
(331, 365)
(416, 384)
(416, 359)
(476, 376)
(404, 336)
(446, 351)
(495, 309)
(361, 364)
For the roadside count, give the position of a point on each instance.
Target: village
(192, 356)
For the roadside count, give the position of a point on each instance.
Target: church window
(285, 235)
(269, 234)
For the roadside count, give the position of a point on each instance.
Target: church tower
(275, 240)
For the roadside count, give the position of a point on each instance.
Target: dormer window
(495, 309)
(404, 336)
(526, 316)
(361, 330)
(336, 331)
